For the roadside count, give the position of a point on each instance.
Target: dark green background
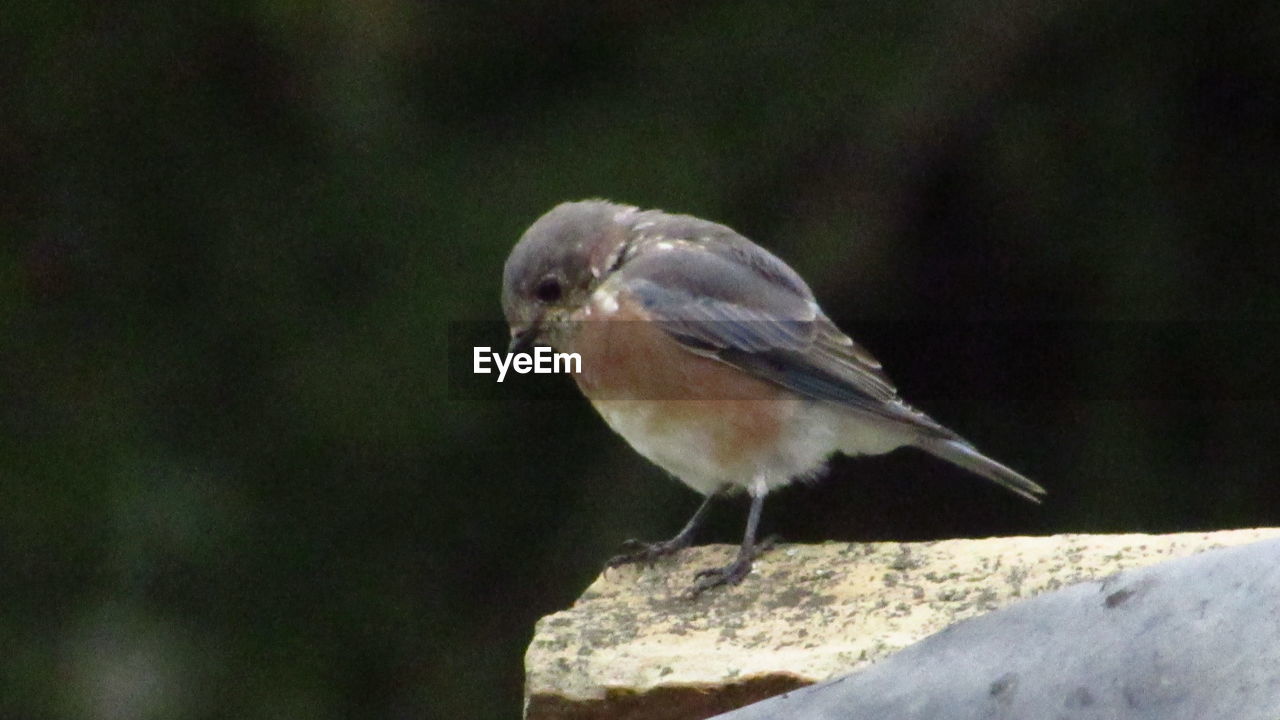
(240, 238)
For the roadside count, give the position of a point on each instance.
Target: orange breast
(630, 365)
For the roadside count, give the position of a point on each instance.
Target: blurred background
(246, 246)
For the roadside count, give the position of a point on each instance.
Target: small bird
(710, 356)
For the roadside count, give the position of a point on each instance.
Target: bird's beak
(522, 338)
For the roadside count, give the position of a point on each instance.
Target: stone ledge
(632, 647)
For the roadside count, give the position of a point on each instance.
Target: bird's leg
(734, 572)
(635, 551)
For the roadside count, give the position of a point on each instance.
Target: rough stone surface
(632, 646)
(1186, 639)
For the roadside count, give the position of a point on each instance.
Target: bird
(711, 357)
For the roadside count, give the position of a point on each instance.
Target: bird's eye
(548, 291)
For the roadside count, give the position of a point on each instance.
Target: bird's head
(557, 264)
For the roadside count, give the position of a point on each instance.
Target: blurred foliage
(238, 236)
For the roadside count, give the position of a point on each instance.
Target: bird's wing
(741, 305)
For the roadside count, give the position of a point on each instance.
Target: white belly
(813, 433)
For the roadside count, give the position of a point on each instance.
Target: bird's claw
(636, 551)
(730, 574)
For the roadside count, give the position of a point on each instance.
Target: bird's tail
(967, 456)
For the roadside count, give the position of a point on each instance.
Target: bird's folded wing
(728, 310)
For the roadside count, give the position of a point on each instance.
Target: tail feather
(967, 456)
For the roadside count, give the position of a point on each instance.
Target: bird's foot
(636, 551)
(730, 574)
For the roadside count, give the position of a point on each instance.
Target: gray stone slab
(1190, 639)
